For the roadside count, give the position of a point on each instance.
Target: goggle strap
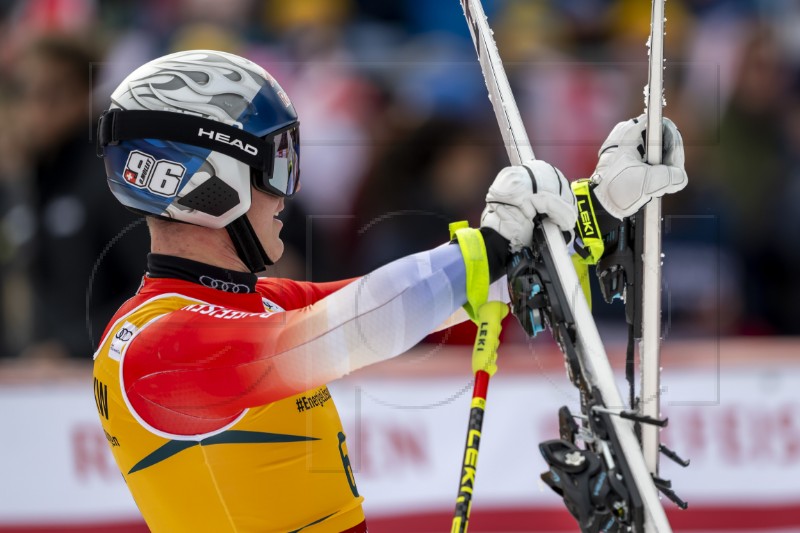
(117, 125)
(248, 246)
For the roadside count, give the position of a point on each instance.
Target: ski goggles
(283, 177)
(274, 159)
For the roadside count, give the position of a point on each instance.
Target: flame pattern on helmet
(214, 85)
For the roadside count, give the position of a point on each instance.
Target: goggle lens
(284, 177)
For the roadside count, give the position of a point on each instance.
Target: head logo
(227, 139)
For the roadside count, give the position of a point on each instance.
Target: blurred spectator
(30, 20)
(62, 219)
(396, 124)
(749, 170)
(334, 104)
(428, 177)
(787, 225)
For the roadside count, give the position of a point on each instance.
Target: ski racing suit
(211, 387)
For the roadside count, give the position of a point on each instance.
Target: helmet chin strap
(248, 247)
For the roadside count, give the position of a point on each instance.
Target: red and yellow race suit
(211, 388)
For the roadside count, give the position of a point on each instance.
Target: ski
(650, 226)
(546, 293)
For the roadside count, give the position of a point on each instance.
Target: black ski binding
(528, 301)
(537, 303)
(595, 479)
(593, 494)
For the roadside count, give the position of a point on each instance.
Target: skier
(211, 382)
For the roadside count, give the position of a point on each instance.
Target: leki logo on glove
(159, 176)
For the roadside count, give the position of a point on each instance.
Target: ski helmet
(186, 136)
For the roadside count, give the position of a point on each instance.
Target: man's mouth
(281, 207)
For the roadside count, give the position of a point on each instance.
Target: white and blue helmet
(187, 134)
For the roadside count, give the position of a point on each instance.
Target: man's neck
(172, 267)
(204, 245)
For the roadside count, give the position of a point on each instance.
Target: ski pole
(484, 365)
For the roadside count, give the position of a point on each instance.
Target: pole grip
(487, 339)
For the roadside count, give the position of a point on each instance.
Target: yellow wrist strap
(582, 270)
(588, 228)
(473, 250)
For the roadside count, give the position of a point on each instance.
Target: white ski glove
(624, 182)
(519, 193)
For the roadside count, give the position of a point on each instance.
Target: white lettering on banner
(58, 465)
(406, 436)
(90, 453)
(389, 447)
(752, 433)
(736, 435)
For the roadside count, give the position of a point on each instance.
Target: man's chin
(275, 251)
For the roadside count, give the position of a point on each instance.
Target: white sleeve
(498, 291)
(373, 319)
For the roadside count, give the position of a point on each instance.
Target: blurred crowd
(398, 139)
